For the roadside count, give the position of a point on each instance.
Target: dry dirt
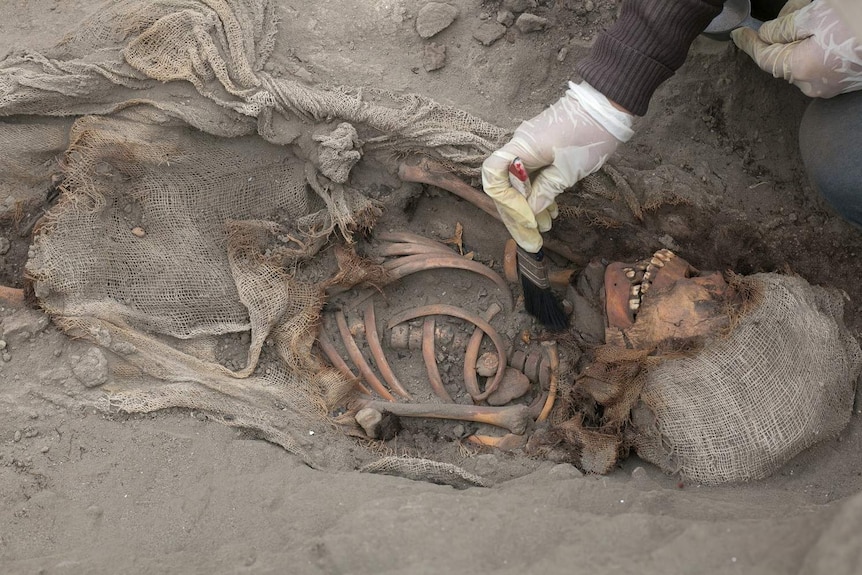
(172, 492)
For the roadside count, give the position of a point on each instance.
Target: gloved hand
(567, 141)
(809, 46)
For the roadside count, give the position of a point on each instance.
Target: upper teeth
(641, 282)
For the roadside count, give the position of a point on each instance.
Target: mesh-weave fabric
(747, 403)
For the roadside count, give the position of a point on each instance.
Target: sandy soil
(173, 492)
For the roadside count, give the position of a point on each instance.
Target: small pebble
(488, 32)
(6, 356)
(486, 464)
(435, 17)
(17, 437)
(2, 344)
(139, 232)
(433, 57)
(94, 511)
(639, 473)
(45, 449)
(527, 23)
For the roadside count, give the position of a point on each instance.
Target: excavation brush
(539, 299)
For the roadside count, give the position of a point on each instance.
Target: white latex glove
(809, 46)
(567, 141)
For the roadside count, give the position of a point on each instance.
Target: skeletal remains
(625, 287)
(413, 253)
(648, 329)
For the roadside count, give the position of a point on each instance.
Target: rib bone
(444, 309)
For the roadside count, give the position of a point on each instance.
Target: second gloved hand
(809, 46)
(567, 141)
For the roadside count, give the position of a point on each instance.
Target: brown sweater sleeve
(644, 47)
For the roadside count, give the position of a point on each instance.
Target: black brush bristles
(539, 300)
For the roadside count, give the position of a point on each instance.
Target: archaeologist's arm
(810, 46)
(574, 136)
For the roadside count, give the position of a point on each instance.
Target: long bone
(410, 238)
(373, 340)
(409, 249)
(332, 355)
(515, 418)
(407, 265)
(358, 360)
(443, 309)
(426, 171)
(14, 296)
(511, 442)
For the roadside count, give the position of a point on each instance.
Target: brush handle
(534, 268)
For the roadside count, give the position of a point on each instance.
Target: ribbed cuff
(610, 61)
(644, 47)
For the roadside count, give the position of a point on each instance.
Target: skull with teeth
(656, 306)
(718, 379)
(662, 298)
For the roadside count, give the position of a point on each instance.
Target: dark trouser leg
(830, 139)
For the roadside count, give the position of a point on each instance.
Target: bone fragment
(508, 442)
(487, 364)
(369, 419)
(377, 425)
(14, 296)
